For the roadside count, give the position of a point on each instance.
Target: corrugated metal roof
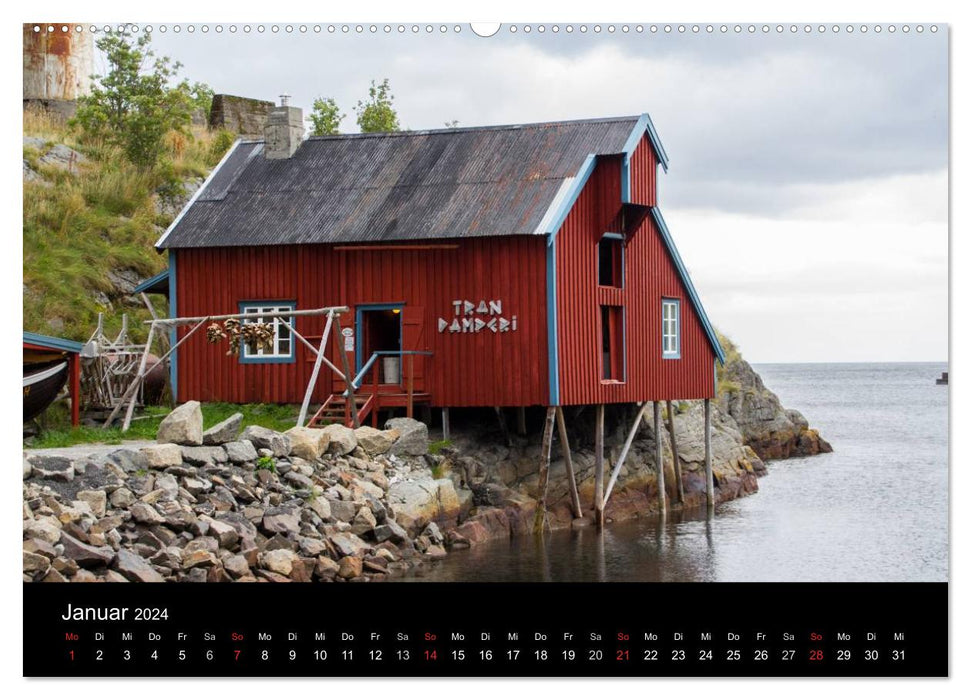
(487, 181)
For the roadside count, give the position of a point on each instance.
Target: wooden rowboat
(42, 384)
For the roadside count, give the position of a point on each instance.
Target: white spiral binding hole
(444, 29)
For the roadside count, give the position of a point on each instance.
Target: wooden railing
(374, 368)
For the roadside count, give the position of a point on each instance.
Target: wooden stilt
(659, 460)
(709, 475)
(503, 426)
(348, 377)
(674, 453)
(598, 453)
(521, 420)
(316, 371)
(544, 468)
(445, 426)
(623, 453)
(568, 460)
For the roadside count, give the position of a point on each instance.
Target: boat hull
(42, 384)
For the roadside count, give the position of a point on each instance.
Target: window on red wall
(610, 259)
(612, 343)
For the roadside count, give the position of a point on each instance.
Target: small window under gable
(610, 260)
(671, 328)
(282, 349)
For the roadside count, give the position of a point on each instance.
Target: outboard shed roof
(414, 185)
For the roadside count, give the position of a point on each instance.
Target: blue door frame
(359, 310)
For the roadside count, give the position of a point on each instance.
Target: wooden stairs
(336, 409)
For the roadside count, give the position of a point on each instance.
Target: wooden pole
(568, 459)
(544, 468)
(411, 387)
(709, 475)
(503, 426)
(316, 371)
(348, 377)
(674, 453)
(598, 452)
(138, 379)
(659, 459)
(521, 419)
(313, 349)
(445, 426)
(75, 365)
(623, 453)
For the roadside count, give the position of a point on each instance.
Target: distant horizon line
(849, 362)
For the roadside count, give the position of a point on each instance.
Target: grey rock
(348, 544)
(134, 568)
(183, 425)
(166, 454)
(413, 437)
(390, 530)
(343, 510)
(223, 432)
(264, 438)
(240, 451)
(342, 439)
(85, 554)
(204, 455)
(145, 514)
(53, 467)
(374, 441)
(281, 519)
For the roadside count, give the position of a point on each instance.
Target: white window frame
(670, 328)
(266, 355)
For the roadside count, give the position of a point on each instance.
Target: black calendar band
(476, 629)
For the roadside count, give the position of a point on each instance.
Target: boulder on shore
(308, 443)
(183, 426)
(412, 437)
(264, 438)
(224, 431)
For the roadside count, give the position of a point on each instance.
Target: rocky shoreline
(336, 504)
(305, 505)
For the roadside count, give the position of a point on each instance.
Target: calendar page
(590, 349)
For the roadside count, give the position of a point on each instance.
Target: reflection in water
(873, 510)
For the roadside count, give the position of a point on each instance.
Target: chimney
(284, 130)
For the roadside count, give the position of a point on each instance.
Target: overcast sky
(807, 189)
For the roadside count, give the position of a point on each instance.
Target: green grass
(145, 426)
(79, 227)
(437, 446)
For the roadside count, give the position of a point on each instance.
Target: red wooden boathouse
(495, 266)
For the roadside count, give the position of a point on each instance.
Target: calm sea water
(873, 510)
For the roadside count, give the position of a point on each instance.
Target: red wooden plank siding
(480, 369)
(643, 174)
(649, 276)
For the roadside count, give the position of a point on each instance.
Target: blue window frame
(284, 344)
(671, 329)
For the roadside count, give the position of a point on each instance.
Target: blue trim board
(552, 345)
(359, 316)
(163, 276)
(257, 359)
(556, 222)
(173, 313)
(688, 285)
(566, 204)
(49, 341)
